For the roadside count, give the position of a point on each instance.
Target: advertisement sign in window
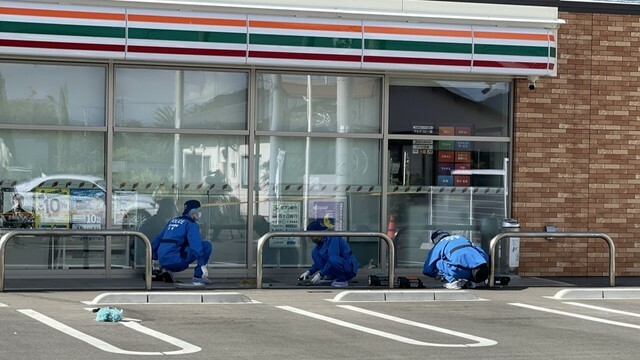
(52, 208)
(87, 208)
(285, 216)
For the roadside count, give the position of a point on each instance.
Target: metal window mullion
(110, 122)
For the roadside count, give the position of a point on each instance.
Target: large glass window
(52, 178)
(167, 170)
(42, 94)
(301, 177)
(181, 99)
(449, 108)
(447, 161)
(319, 103)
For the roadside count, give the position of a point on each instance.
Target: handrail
(269, 235)
(605, 237)
(85, 232)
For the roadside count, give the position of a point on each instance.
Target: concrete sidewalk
(122, 284)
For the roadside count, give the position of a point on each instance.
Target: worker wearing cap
(179, 244)
(455, 260)
(333, 260)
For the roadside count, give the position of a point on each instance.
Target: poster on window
(52, 208)
(124, 206)
(87, 208)
(331, 212)
(284, 216)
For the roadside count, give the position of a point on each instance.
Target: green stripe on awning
(419, 46)
(306, 41)
(62, 30)
(513, 50)
(187, 35)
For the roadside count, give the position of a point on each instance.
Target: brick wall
(577, 150)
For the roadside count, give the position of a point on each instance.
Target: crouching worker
(455, 260)
(179, 244)
(333, 260)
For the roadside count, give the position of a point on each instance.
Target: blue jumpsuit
(453, 258)
(334, 259)
(179, 244)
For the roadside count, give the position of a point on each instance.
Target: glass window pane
(456, 187)
(447, 163)
(301, 179)
(453, 108)
(170, 169)
(38, 94)
(52, 179)
(319, 103)
(181, 99)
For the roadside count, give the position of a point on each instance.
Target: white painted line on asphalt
(584, 317)
(366, 329)
(186, 347)
(603, 309)
(480, 341)
(3, 305)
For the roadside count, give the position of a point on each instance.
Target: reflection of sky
(140, 92)
(478, 91)
(85, 86)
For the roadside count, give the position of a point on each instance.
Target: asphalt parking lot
(314, 323)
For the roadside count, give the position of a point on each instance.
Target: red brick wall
(577, 150)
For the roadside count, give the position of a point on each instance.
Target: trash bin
(509, 249)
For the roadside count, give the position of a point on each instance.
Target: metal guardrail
(303, 234)
(605, 237)
(60, 232)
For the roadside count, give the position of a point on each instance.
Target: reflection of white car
(79, 201)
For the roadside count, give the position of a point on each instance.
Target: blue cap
(438, 235)
(191, 206)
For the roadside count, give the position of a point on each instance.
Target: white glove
(316, 278)
(205, 271)
(304, 275)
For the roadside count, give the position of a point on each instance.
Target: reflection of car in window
(78, 201)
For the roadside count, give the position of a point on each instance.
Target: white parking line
(378, 332)
(480, 341)
(186, 348)
(584, 317)
(603, 309)
(3, 305)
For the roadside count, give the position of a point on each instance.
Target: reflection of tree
(62, 145)
(85, 158)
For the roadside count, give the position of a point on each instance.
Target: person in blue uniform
(455, 260)
(332, 257)
(179, 244)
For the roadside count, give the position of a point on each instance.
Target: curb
(169, 298)
(399, 296)
(604, 293)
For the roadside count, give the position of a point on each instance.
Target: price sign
(52, 207)
(87, 208)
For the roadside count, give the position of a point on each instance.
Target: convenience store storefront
(269, 115)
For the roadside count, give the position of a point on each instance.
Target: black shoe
(168, 277)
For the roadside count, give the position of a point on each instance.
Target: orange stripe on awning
(61, 14)
(186, 20)
(512, 36)
(303, 26)
(414, 31)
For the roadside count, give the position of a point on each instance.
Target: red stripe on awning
(416, 61)
(303, 56)
(185, 51)
(61, 45)
(511, 64)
